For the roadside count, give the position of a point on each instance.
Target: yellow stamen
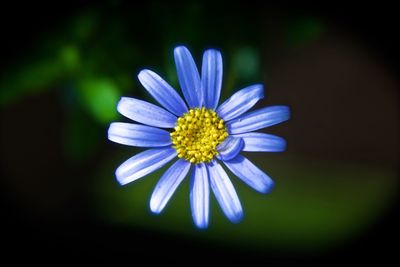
(197, 134)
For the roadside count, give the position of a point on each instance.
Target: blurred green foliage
(100, 97)
(98, 44)
(246, 63)
(309, 209)
(92, 59)
(303, 30)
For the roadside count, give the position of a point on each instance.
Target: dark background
(70, 231)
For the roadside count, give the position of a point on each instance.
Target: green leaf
(100, 97)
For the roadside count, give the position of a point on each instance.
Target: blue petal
(162, 92)
(229, 148)
(258, 119)
(240, 102)
(167, 185)
(250, 174)
(188, 76)
(138, 135)
(225, 192)
(144, 163)
(146, 113)
(200, 195)
(262, 142)
(211, 77)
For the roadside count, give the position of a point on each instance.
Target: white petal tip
(155, 206)
(109, 131)
(141, 75)
(284, 146)
(120, 104)
(155, 209)
(121, 181)
(156, 212)
(267, 188)
(201, 225)
(180, 48)
(286, 113)
(262, 89)
(213, 50)
(237, 217)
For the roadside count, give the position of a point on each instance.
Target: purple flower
(200, 134)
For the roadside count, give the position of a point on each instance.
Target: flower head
(200, 135)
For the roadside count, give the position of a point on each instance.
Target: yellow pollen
(197, 134)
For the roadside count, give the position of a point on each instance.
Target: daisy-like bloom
(198, 135)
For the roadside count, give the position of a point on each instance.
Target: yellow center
(197, 134)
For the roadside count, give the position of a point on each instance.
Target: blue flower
(200, 134)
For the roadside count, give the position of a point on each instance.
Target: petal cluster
(199, 134)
